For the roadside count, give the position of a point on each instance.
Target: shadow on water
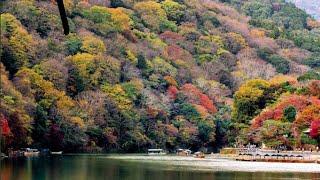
(96, 167)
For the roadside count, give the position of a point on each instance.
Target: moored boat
(199, 154)
(156, 152)
(28, 152)
(56, 152)
(2, 155)
(184, 152)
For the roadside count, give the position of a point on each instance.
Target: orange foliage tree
(276, 112)
(195, 96)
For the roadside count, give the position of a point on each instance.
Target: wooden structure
(255, 154)
(183, 152)
(156, 152)
(56, 152)
(199, 155)
(28, 152)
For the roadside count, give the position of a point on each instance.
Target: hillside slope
(137, 74)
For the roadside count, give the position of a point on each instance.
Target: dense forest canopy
(138, 74)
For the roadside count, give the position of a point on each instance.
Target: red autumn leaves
(276, 112)
(4, 126)
(194, 96)
(308, 113)
(315, 129)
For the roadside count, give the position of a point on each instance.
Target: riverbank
(221, 164)
(143, 167)
(212, 162)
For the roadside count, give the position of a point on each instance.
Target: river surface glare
(141, 167)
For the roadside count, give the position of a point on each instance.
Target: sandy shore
(219, 164)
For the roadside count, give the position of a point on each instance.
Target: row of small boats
(30, 152)
(179, 152)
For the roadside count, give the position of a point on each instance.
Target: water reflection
(97, 167)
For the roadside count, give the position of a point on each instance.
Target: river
(138, 167)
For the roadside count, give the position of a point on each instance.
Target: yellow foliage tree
(92, 70)
(104, 17)
(249, 99)
(44, 90)
(120, 18)
(171, 81)
(118, 95)
(235, 42)
(151, 13)
(82, 62)
(131, 56)
(19, 45)
(93, 45)
(280, 79)
(257, 33)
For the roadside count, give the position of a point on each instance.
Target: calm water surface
(88, 167)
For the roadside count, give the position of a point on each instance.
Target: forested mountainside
(136, 74)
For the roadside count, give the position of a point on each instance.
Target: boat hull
(30, 154)
(56, 153)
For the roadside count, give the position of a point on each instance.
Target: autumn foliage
(315, 129)
(139, 74)
(300, 103)
(5, 129)
(195, 96)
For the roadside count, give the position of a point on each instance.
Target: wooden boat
(56, 152)
(15, 154)
(183, 152)
(155, 152)
(2, 155)
(199, 155)
(28, 152)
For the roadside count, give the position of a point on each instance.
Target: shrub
(175, 11)
(309, 76)
(107, 20)
(234, 42)
(142, 64)
(313, 61)
(290, 113)
(280, 63)
(306, 39)
(257, 9)
(93, 45)
(73, 44)
(116, 3)
(152, 14)
(166, 25)
(208, 17)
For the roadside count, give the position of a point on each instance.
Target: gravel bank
(218, 164)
